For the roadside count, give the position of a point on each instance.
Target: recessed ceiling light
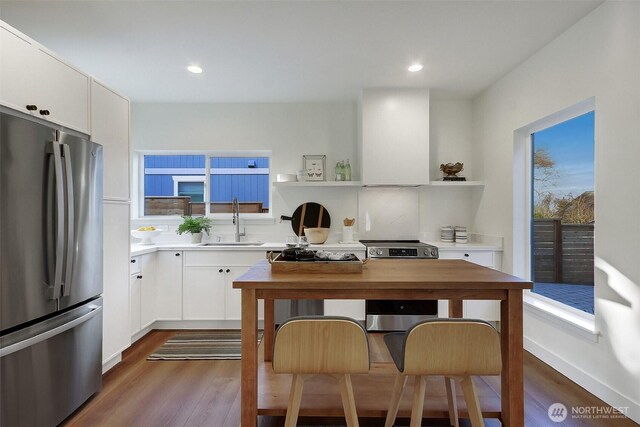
(194, 69)
(415, 67)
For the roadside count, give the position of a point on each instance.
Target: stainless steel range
(399, 249)
(399, 315)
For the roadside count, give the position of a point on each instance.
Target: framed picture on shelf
(314, 167)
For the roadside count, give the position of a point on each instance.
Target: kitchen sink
(232, 244)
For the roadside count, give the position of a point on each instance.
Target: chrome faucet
(235, 209)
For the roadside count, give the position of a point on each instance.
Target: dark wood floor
(138, 392)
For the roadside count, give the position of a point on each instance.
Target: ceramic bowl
(146, 236)
(316, 236)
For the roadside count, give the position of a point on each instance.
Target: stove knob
(379, 251)
(434, 252)
(427, 252)
(372, 251)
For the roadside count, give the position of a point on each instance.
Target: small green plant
(195, 225)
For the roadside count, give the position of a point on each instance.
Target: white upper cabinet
(110, 127)
(395, 136)
(17, 72)
(31, 76)
(63, 91)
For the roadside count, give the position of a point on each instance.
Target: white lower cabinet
(233, 297)
(208, 292)
(148, 290)
(135, 300)
(203, 293)
(168, 285)
(474, 309)
(142, 286)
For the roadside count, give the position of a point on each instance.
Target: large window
(177, 184)
(563, 212)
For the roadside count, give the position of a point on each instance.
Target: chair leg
(473, 405)
(418, 401)
(348, 402)
(394, 402)
(295, 395)
(453, 402)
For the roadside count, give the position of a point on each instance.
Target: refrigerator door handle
(70, 220)
(60, 217)
(5, 351)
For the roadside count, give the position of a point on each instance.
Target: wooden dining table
(386, 279)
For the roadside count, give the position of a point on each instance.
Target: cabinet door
(204, 293)
(110, 127)
(148, 290)
(17, 72)
(395, 136)
(135, 299)
(63, 91)
(115, 315)
(233, 297)
(168, 285)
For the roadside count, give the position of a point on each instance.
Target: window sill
(569, 318)
(217, 219)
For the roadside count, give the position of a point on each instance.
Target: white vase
(196, 237)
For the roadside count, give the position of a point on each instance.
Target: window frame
(138, 183)
(581, 322)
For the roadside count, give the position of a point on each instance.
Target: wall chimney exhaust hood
(394, 137)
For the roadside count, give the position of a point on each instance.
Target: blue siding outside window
(246, 186)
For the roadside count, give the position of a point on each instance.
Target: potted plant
(195, 226)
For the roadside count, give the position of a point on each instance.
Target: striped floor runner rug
(201, 345)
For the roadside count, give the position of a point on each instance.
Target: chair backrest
(452, 347)
(321, 345)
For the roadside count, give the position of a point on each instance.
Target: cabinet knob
(228, 270)
(133, 261)
(220, 271)
(177, 253)
(467, 255)
(44, 112)
(32, 107)
(139, 276)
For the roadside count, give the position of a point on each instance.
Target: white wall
(599, 56)
(451, 141)
(291, 130)
(288, 130)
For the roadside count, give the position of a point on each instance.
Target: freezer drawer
(48, 370)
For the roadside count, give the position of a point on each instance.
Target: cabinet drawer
(215, 258)
(135, 265)
(485, 258)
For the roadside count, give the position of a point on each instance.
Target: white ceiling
(286, 51)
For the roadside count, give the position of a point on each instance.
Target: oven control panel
(422, 252)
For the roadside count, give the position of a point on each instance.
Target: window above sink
(173, 184)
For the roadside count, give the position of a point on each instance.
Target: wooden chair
(454, 348)
(306, 346)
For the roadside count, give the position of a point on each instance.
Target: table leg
(511, 337)
(455, 308)
(269, 329)
(249, 380)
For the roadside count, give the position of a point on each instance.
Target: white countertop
(443, 246)
(137, 249)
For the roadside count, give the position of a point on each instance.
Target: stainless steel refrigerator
(50, 272)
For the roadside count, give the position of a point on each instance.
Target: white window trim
(218, 218)
(577, 321)
(177, 179)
